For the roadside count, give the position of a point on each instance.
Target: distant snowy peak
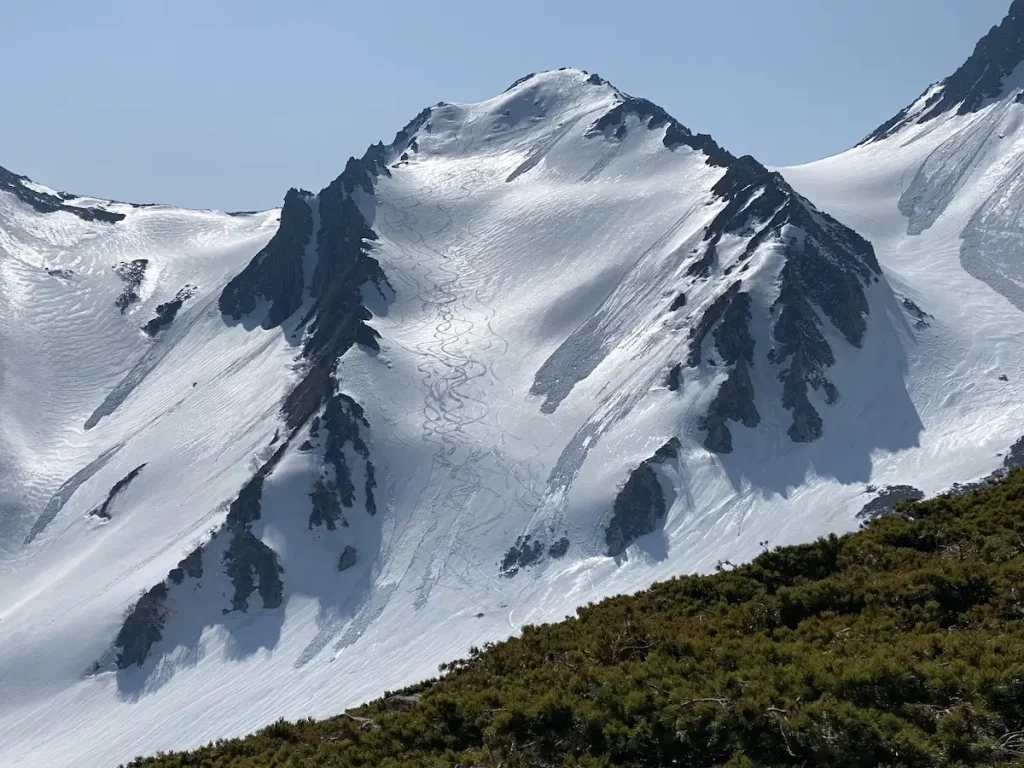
(983, 77)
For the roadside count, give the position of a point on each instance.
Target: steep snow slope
(939, 190)
(535, 351)
(78, 280)
(77, 285)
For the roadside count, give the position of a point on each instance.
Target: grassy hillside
(901, 644)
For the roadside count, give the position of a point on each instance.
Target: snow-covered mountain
(535, 351)
(939, 192)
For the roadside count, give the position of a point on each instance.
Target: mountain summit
(533, 351)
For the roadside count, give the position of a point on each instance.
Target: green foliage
(901, 644)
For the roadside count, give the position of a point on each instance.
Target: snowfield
(521, 376)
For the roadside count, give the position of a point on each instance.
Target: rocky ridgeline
(827, 268)
(974, 84)
(46, 202)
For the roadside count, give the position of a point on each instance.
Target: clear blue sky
(225, 103)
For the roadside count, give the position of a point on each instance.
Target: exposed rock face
(249, 563)
(191, 566)
(276, 274)
(344, 266)
(560, 548)
(337, 317)
(529, 551)
(734, 401)
(343, 421)
(674, 380)
(103, 511)
(142, 628)
(613, 124)
(887, 499)
(343, 418)
(335, 321)
(132, 273)
(640, 506)
(252, 565)
(327, 509)
(979, 79)
(349, 557)
(1014, 458)
(45, 202)
(921, 317)
(820, 269)
(730, 316)
(711, 316)
(166, 312)
(525, 552)
(520, 81)
(826, 269)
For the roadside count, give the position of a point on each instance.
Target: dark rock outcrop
(525, 552)
(132, 273)
(559, 549)
(732, 335)
(827, 269)
(640, 505)
(674, 380)
(520, 81)
(613, 124)
(103, 510)
(978, 79)
(708, 320)
(344, 421)
(326, 508)
(249, 563)
(344, 268)
(343, 418)
(886, 500)
(824, 271)
(275, 274)
(734, 401)
(166, 312)
(729, 315)
(529, 551)
(191, 566)
(252, 565)
(44, 202)
(1013, 458)
(921, 317)
(142, 627)
(334, 323)
(349, 557)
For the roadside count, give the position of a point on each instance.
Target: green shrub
(901, 644)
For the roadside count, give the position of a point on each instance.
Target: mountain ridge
(535, 351)
(980, 79)
(314, 275)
